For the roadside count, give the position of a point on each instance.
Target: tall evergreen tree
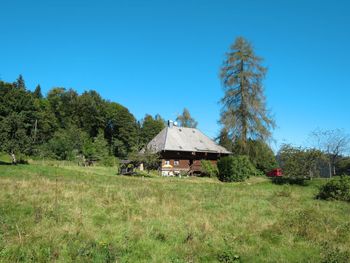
(19, 83)
(224, 139)
(37, 92)
(185, 119)
(244, 112)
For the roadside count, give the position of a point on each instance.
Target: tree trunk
(330, 169)
(243, 111)
(13, 157)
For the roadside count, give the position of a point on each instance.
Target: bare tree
(333, 143)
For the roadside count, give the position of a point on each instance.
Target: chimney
(170, 123)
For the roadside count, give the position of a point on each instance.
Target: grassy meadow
(51, 211)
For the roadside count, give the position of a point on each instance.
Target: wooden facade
(189, 163)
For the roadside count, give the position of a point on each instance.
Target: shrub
(259, 153)
(343, 166)
(298, 164)
(209, 169)
(336, 189)
(110, 161)
(235, 168)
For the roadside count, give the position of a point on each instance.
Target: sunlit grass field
(57, 212)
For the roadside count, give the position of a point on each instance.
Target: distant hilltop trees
(65, 124)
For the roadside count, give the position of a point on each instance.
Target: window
(167, 162)
(176, 162)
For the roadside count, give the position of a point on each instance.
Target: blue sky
(159, 56)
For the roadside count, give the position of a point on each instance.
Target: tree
(298, 164)
(235, 168)
(37, 93)
(261, 155)
(92, 112)
(150, 127)
(151, 159)
(343, 166)
(121, 130)
(185, 119)
(147, 156)
(64, 105)
(333, 143)
(244, 112)
(66, 144)
(20, 83)
(224, 139)
(17, 117)
(96, 148)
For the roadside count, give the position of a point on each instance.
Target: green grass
(64, 213)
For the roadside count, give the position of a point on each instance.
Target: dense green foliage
(342, 166)
(336, 189)
(209, 169)
(235, 168)
(149, 159)
(244, 114)
(259, 153)
(18, 113)
(51, 212)
(299, 164)
(151, 127)
(65, 125)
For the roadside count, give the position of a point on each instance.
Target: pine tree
(186, 120)
(224, 139)
(244, 112)
(19, 83)
(37, 93)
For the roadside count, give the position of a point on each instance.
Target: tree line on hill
(66, 125)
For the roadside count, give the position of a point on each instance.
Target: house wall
(187, 161)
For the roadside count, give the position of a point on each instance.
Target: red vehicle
(275, 173)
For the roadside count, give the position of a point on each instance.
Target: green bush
(235, 168)
(336, 189)
(110, 161)
(209, 169)
(298, 164)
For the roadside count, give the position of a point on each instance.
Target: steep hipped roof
(184, 139)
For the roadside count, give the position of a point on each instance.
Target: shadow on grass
(290, 180)
(18, 162)
(4, 163)
(135, 174)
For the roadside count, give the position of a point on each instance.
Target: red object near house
(275, 173)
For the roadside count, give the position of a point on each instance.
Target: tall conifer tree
(244, 114)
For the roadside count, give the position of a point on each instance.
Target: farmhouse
(182, 149)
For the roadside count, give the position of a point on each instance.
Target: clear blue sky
(159, 56)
